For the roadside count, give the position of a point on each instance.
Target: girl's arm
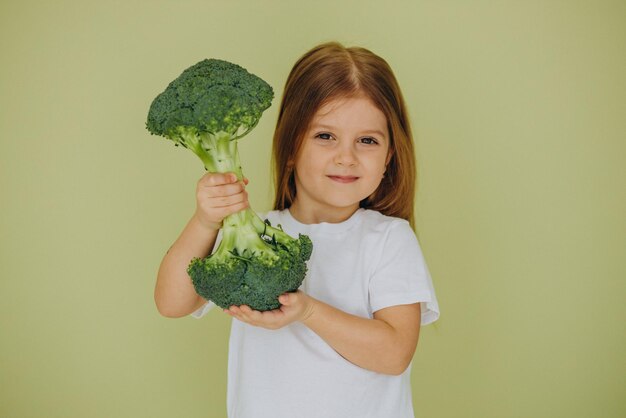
(174, 293)
(384, 344)
(217, 196)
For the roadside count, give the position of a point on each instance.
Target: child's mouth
(343, 179)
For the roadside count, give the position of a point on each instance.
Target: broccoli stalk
(207, 109)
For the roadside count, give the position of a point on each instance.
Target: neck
(313, 216)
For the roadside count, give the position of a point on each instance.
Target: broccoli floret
(252, 266)
(207, 109)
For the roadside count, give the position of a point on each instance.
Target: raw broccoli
(207, 109)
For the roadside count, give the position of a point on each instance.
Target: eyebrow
(332, 128)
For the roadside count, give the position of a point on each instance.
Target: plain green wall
(519, 113)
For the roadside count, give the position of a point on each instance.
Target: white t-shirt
(366, 263)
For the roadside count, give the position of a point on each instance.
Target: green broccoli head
(206, 109)
(252, 269)
(211, 97)
(219, 279)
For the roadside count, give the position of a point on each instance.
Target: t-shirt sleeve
(201, 311)
(401, 276)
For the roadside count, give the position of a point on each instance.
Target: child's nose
(345, 157)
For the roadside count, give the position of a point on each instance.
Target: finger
(235, 312)
(221, 190)
(229, 190)
(223, 212)
(227, 201)
(284, 299)
(252, 315)
(218, 179)
(246, 314)
(287, 298)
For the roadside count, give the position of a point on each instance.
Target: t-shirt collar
(289, 222)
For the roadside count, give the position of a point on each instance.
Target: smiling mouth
(343, 179)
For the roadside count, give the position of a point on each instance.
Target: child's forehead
(331, 105)
(348, 114)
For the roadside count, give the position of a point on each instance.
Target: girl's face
(342, 160)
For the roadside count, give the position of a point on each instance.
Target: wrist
(206, 225)
(309, 310)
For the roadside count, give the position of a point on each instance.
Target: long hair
(330, 71)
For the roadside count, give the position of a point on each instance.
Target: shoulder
(389, 237)
(377, 223)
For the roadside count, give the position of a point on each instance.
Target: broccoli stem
(241, 231)
(218, 152)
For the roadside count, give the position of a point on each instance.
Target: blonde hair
(330, 71)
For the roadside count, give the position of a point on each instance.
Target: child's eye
(368, 141)
(323, 136)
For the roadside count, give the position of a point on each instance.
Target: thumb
(285, 299)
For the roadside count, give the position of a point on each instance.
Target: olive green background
(519, 111)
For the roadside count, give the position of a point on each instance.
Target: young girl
(341, 346)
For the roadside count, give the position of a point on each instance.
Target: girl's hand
(296, 306)
(217, 196)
